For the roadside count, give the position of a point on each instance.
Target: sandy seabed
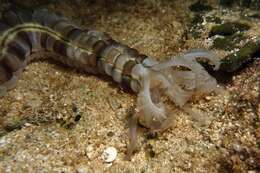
(61, 120)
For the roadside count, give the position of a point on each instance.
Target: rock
(200, 6)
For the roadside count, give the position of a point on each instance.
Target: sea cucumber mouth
(176, 80)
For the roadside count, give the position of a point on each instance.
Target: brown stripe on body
(126, 83)
(74, 33)
(19, 48)
(12, 62)
(24, 35)
(35, 40)
(49, 43)
(140, 58)
(43, 39)
(5, 73)
(126, 74)
(128, 67)
(99, 46)
(60, 48)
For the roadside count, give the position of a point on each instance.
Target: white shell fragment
(109, 155)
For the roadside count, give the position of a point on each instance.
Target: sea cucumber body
(87, 50)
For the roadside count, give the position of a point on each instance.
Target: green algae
(228, 28)
(232, 36)
(234, 61)
(229, 42)
(197, 19)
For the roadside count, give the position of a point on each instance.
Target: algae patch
(229, 42)
(228, 28)
(234, 60)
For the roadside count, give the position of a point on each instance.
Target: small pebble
(115, 105)
(27, 124)
(82, 170)
(3, 141)
(208, 98)
(237, 147)
(252, 171)
(90, 152)
(109, 155)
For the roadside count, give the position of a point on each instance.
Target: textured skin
(25, 34)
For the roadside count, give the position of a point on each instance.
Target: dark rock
(200, 6)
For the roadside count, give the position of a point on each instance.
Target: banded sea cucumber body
(87, 50)
(26, 34)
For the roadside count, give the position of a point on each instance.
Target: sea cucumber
(27, 34)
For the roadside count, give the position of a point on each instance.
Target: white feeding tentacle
(150, 108)
(186, 83)
(177, 84)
